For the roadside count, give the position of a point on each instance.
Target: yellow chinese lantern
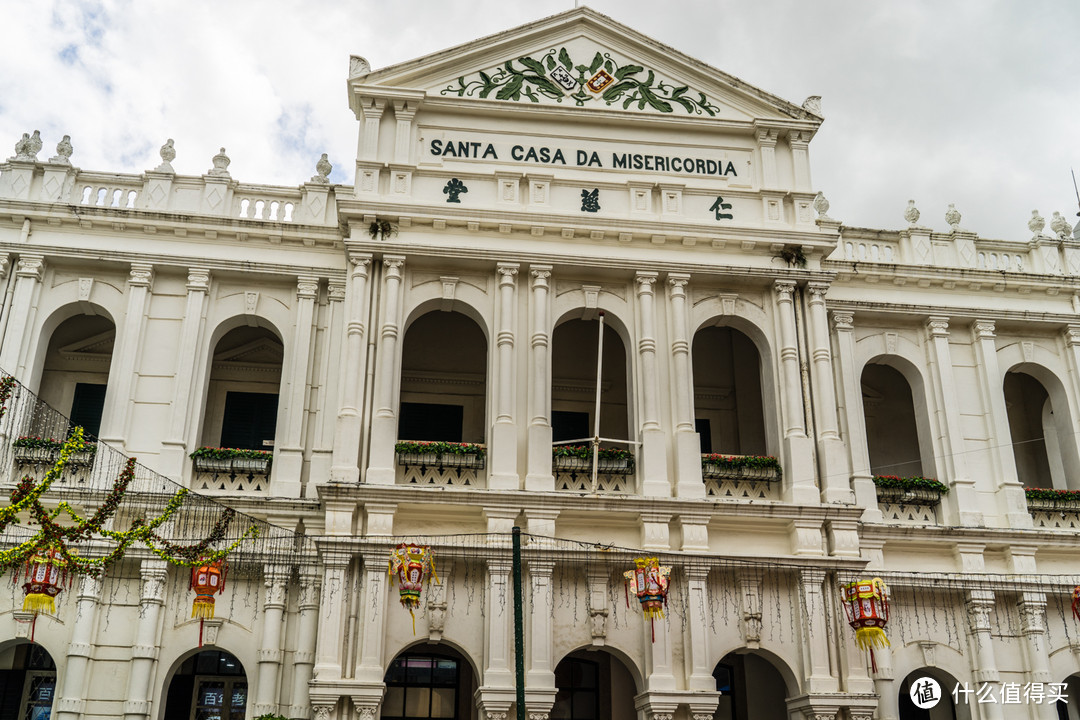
(414, 566)
(649, 581)
(46, 576)
(207, 580)
(866, 603)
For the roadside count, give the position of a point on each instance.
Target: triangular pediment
(579, 59)
(96, 347)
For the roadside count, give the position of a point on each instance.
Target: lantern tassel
(39, 603)
(869, 638)
(203, 608)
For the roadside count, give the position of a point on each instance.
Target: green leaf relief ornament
(601, 80)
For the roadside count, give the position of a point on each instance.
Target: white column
(28, 273)
(800, 158)
(332, 604)
(498, 670)
(697, 630)
(979, 605)
(144, 653)
(962, 501)
(885, 685)
(346, 463)
(850, 395)
(381, 469)
(289, 450)
(835, 487)
(540, 676)
(270, 656)
(1011, 501)
(503, 440)
(799, 463)
(767, 141)
(653, 455)
(1032, 608)
(174, 447)
(539, 475)
(815, 634)
(126, 355)
(327, 385)
(304, 656)
(369, 663)
(687, 442)
(69, 706)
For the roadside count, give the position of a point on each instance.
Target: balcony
(46, 451)
(1054, 509)
(572, 467)
(909, 501)
(231, 470)
(440, 463)
(741, 477)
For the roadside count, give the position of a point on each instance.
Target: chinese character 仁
(721, 205)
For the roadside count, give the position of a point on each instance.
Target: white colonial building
(516, 199)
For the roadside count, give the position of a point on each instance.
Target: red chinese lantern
(207, 580)
(1076, 602)
(414, 566)
(866, 603)
(46, 575)
(649, 581)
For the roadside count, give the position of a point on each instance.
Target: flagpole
(596, 412)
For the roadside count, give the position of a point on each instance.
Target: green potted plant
(909, 490)
(31, 449)
(738, 467)
(440, 454)
(1052, 499)
(578, 459)
(232, 460)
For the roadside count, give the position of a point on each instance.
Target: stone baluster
(381, 468)
(125, 357)
(270, 656)
(28, 274)
(539, 475)
(289, 454)
(503, 439)
(174, 447)
(347, 430)
(70, 704)
(304, 657)
(144, 652)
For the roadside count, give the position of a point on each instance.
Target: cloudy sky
(973, 102)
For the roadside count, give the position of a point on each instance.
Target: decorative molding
(30, 266)
(141, 275)
(938, 326)
(198, 280)
(843, 321)
(307, 287)
(984, 329)
(784, 290)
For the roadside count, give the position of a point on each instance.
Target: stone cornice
(957, 315)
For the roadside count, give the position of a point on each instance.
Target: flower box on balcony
(463, 456)
(46, 451)
(740, 467)
(909, 491)
(232, 461)
(577, 459)
(1050, 500)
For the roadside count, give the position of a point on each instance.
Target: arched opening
(209, 685)
(27, 682)
(892, 427)
(751, 687)
(429, 681)
(926, 693)
(241, 410)
(443, 379)
(75, 370)
(1070, 708)
(1032, 431)
(592, 685)
(728, 409)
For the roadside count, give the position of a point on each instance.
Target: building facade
(520, 202)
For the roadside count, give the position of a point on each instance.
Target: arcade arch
(75, 371)
(207, 684)
(593, 684)
(945, 709)
(898, 437)
(752, 686)
(729, 408)
(429, 681)
(27, 681)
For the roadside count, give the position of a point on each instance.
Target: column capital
(678, 282)
(141, 275)
(540, 274)
(817, 291)
(784, 290)
(938, 325)
(984, 329)
(30, 266)
(1072, 335)
(4, 263)
(646, 278)
(198, 279)
(393, 263)
(767, 136)
(360, 262)
(335, 291)
(507, 272)
(307, 287)
(843, 320)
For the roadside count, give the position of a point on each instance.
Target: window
(87, 407)
(567, 425)
(249, 421)
(28, 687)
(420, 686)
(704, 430)
(578, 697)
(429, 421)
(208, 686)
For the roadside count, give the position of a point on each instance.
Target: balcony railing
(44, 452)
(1054, 509)
(440, 463)
(231, 470)
(909, 501)
(741, 477)
(572, 466)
